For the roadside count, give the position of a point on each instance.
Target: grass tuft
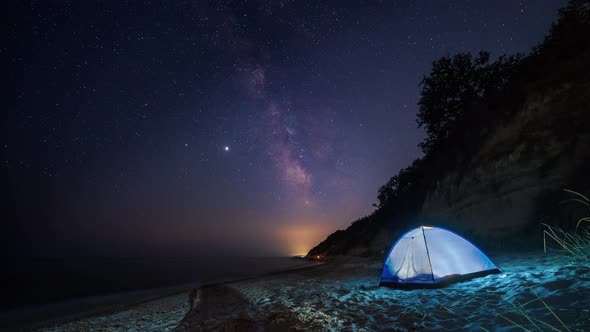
(576, 243)
(579, 198)
(521, 311)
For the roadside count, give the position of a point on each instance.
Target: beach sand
(162, 314)
(343, 295)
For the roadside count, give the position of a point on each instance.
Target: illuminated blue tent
(432, 257)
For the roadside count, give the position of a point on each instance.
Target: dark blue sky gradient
(119, 112)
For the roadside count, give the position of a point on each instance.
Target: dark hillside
(503, 137)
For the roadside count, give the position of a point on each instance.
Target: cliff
(503, 138)
(513, 182)
(499, 195)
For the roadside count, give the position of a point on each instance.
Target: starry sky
(219, 127)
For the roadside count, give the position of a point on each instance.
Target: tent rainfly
(428, 257)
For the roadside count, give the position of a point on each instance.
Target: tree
(456, 86)
(570, 34)
(401, 186)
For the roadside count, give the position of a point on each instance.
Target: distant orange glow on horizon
(299, 238)
(285, 239)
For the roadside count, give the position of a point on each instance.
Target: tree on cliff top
(570, 35)
(460, 91)
(459, 98)
(402, 188)
(456, 86)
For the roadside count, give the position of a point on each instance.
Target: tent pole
(410, 260)
(427, 252)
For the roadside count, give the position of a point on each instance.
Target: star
(317, 129)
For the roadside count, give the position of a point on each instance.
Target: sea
(44, 288)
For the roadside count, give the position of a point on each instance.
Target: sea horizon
(106, 281)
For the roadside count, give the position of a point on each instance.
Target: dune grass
(576, 243)
(531, 323)
(519, 315)
(582, 200)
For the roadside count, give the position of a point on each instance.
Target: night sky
(234, 128)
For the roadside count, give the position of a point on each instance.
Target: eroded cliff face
(506, 188)
(499, 196)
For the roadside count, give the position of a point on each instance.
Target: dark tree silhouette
(401, 186)
(570, 35)
(456, 86)
(463, 97)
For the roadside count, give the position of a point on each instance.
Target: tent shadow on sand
(432, 257)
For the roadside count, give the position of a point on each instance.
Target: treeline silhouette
(463, 98)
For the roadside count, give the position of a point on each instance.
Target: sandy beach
(162, 314)
(343, 295)
(534, 291)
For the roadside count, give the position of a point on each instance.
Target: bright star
(226, 148)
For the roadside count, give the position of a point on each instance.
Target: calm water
(33, 282)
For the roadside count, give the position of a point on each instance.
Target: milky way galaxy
(191, 127)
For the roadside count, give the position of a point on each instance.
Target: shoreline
(59, 313)
(46, 316)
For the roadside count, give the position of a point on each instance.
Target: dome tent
(432, 257)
